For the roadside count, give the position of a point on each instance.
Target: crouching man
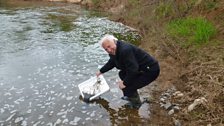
(137, 67)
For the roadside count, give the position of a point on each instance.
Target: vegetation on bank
(194, 30)
(168, 25)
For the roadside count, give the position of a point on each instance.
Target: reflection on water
(123, 115)
(45, 52)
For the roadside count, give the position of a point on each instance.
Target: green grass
(131, 37)
(193, 30)
(211, 5)
(96, 2)
(163, 10)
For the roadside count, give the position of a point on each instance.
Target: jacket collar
(117, 49)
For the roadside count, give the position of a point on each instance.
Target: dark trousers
(142, 79)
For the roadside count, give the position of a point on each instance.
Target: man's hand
(121, 84)
(98, 74)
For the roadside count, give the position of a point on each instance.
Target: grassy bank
(188, 39)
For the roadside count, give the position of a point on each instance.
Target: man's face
(109, 46)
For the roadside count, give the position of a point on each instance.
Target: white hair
(107, 37)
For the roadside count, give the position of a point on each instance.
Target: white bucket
(93, 88)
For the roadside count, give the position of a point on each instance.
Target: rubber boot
(134, 101)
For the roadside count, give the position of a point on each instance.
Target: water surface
(45, 52)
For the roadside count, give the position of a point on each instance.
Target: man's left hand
(121, 85)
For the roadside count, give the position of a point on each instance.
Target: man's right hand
(98, 74)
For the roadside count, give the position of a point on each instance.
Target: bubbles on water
(65, 121)
(36, 123)
(75, 121)
(24, 123)
(10, 117)
(19, 77)
(21, 99)
(69, 98)
(7, 94)
(114, 90)
(29, 111)
(92, 114)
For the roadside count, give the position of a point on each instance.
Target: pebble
(167, 105)
(144, 111)
(176, 122)
(166, 98)
(171, 112)
(162, 99)
(178, 94)
(176, 107)
(196, 102)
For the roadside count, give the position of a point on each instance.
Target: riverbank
(195, 70)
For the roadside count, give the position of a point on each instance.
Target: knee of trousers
(122, 75)
(129, 92)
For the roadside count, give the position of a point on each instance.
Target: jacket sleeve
(131, 66)
(108, 66)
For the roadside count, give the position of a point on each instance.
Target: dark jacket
(129, 59)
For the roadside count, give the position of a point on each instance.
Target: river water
(45, 52)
